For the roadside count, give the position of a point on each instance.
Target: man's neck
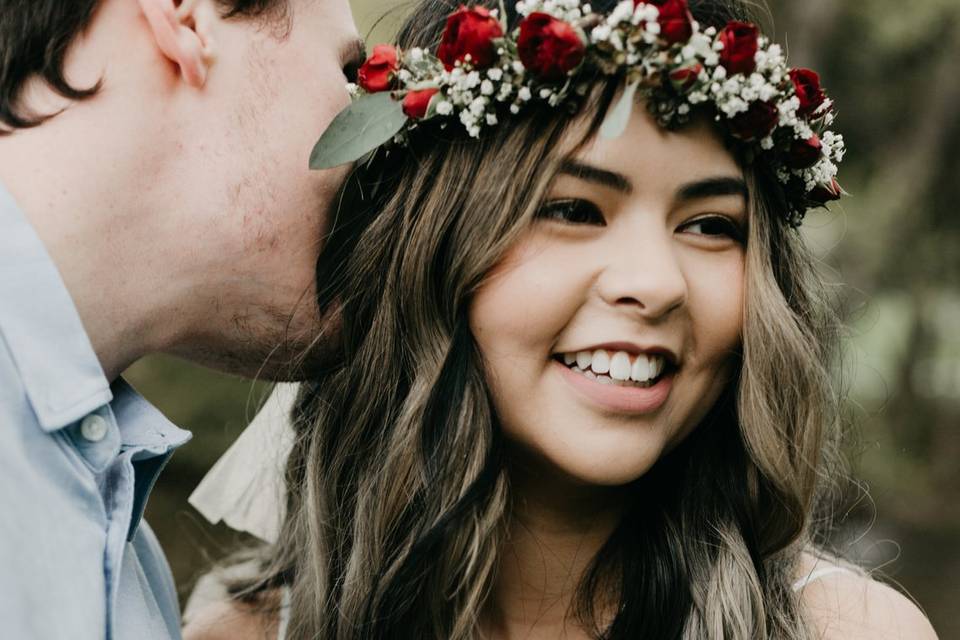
(88, 216)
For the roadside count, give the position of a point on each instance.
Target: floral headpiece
(481, 74)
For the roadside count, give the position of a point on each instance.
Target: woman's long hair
(398, 498)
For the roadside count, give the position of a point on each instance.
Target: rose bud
(416, 103)
(685, 77)
(470, 32)
(676, 21)
(377, 73)
(756, 122)
(811, 95)
(740, 44)
(822, 194)
(805, 153)
(548, 47)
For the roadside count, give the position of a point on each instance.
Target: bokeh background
(892, 252)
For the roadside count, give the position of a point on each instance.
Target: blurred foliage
(892, 250)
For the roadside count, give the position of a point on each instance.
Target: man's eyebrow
(712, 187)
(590, 173)
(354, 52)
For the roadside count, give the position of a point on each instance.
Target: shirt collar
(151, 438)
(42, 330)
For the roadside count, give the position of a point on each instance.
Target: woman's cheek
(532, 293)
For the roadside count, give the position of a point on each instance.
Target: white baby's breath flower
(601, 33)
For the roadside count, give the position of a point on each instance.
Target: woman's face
(610, 329)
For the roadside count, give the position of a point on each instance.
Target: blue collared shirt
(78, 458)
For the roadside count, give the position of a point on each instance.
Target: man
(154, 197)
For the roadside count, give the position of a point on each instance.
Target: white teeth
(640, 372)
(584, 358)
(600, 362)
(620, 366)
(656, 366)
(602, 366)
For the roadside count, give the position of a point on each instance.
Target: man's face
(272, 90)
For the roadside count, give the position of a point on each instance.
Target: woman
(584, 386)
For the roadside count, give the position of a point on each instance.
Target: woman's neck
(557, 526)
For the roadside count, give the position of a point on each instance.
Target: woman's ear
(182, 33)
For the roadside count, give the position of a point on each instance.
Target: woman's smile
(619, 377)
(614, 395)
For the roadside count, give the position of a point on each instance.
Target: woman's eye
(572, 212)
(715, 227)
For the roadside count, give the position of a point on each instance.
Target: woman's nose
(643, 275)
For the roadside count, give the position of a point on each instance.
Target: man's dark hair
(35, 36)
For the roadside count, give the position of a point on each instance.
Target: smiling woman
(583, 389)
(633, 264)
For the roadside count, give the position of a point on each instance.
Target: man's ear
(182, 33)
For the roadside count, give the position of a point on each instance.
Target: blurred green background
(892, 252)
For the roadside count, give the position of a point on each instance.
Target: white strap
(284, 613)
(817, 574)
(245, 488)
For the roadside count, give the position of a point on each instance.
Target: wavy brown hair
(398, 496)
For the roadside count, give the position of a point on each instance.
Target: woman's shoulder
(233, 620)
(847, 604)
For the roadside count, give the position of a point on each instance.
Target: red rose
(416, 103)
(822, 194)
(811, 95)
(676, 21)
(377, 72)
(740, 43)
(756, 122)
(685, 77)
(805, 153)
(548, 47)
(470, 32)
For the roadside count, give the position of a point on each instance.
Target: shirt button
(94, 428)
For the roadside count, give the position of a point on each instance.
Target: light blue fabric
(75, 561)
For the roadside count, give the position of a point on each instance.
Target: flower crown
(479, 74)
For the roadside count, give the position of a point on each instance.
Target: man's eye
(350, 71)
(572, 212)
(716, 227)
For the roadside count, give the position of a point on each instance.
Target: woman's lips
(622, 399)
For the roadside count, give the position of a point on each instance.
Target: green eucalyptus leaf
(367, 123)
(617, 119)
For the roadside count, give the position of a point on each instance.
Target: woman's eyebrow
(706, 188)
(590, 173)
(712, 187)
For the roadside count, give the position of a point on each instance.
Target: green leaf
(617, 119)
(367, 123)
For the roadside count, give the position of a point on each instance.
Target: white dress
(797, 586)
